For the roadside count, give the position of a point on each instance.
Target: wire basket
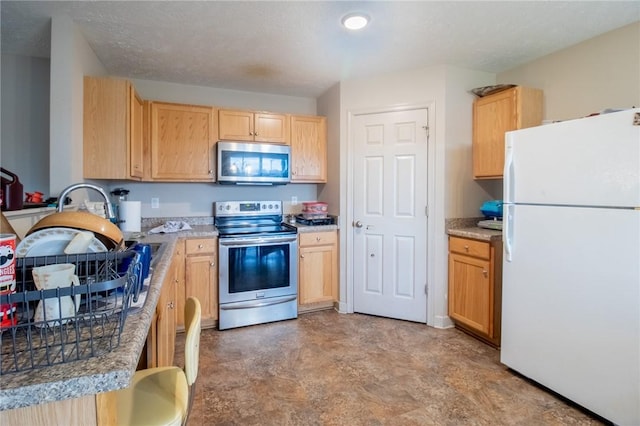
(108, 283)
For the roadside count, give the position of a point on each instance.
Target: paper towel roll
(130, 216)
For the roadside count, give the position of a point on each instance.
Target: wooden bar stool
(164, 395)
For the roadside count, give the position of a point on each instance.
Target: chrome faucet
(111, 215)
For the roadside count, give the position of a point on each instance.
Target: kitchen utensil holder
(94, 330)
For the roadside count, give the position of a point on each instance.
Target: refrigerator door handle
(508, 170)
(508, 233)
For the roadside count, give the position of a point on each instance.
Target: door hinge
(426, 131)
(426, 211)
(426, 289)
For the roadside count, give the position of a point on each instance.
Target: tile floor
(326, 368)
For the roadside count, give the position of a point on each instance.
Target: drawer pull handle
(200, 246)
(318, 239)
(466, 248)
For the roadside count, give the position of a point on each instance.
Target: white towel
(170, 226)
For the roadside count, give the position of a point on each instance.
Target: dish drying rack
(109, 282)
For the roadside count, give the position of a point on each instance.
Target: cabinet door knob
(318, 239)
(485, 273)
(200, 246)
(213, 264)
(466, 248)
(302, 256)
(170, 305)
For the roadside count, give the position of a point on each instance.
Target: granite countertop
(476, 233)
(108, 372)
(467, 228)
(314, 228)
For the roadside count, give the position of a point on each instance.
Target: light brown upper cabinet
(308, 149)
(251, 126)
(113, 130)
(182, 142)
(493, 115)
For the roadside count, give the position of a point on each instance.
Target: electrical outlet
(155, 203)
(294, 201)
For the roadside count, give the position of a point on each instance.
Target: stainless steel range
(258, 273)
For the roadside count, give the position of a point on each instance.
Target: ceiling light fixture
(355, 21)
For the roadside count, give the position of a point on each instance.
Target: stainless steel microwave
(244, 163)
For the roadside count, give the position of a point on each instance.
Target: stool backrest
(192, 319)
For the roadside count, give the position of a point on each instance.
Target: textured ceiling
(299, 48)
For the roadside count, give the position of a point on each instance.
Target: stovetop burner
(283, 228)
(329, 220)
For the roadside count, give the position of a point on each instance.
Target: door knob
(358, 224)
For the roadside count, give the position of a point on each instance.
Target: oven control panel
(247, 208)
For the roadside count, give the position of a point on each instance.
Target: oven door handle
(254, 241)
(256, 304)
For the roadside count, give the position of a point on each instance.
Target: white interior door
(389, 210)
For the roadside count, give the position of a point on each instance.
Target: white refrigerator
(571, 261)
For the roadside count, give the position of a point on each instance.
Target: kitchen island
(72, 393)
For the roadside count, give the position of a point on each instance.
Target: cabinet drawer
(203, 245)
(318, 238)
(469, 247)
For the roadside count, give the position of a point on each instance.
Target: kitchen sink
(156, 249)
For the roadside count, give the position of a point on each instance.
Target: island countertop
(107, 372)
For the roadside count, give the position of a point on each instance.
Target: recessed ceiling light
(355, 21)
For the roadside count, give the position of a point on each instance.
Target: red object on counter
(314, 207)
(34, 197)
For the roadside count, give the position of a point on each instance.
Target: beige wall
(600, 73)
(329, 106)
(71, 59)
(464, 195)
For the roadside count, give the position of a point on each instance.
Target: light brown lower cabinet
(161, 340)
(475, 287)
(317, 270)
(201, 279)
(76, 411)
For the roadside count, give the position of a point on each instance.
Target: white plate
(52, 241)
